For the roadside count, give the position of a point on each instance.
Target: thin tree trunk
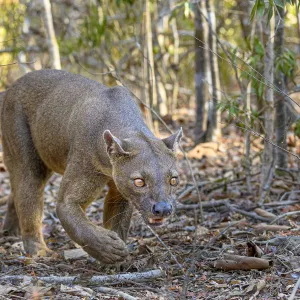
(247, 105)
(151, 69)
(174, 71)
(298, 22)
(268, 155)
(147, 112)
(161, 29)
(25, 36)
(50, 33)
(200, 76)
(281, 156)
(214, 121)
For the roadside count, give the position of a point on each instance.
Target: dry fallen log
(93, 280)
(236, 262)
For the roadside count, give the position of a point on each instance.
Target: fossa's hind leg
(11, 222)
(28, 175)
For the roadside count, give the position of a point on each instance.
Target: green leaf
(260, 8)
(280, 3)
(254, 9)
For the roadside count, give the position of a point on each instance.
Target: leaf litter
(239, 254)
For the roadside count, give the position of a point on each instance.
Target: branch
(93, 280)
(291, 213)
(120, 294)
(293, 294)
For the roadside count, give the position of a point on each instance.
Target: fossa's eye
(174, 181)
(139, 182)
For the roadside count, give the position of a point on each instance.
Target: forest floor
(202, 257)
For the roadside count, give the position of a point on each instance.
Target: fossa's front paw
(105, 246)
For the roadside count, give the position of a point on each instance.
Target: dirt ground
(195, 260)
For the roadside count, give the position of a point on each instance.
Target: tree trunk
(244, 9)
(281, 122)
(151, 69)
(175, 65)
(200, 76)
(268, 155)
(214, 119)
(50, 34)
(145, 92)
(298, 22)
(247, 107)
(161, 29)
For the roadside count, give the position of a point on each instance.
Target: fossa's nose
(162, 209)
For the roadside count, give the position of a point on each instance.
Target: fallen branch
(120, 294)
(93, 280)
(236, 262)
(168, 250)
(265, 227)
(294, 292)
(248, 214)
(188, 190)
(217, 203)
(205, 204)
(281, 203)
(291, 213)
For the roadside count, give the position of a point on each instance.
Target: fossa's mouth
(156, 221)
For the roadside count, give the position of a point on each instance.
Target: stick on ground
(158, 273)
(115, 292)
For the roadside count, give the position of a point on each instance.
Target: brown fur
(54, 121)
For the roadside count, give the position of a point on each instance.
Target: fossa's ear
(172, 142)
(114, 145)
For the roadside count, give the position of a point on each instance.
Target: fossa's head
(145, 173)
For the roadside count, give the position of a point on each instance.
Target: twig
(167, 248)
(189, 189)
(212, 241)
(93, 280)
(118, 293)
(288, 193)
(291, 213)
(248, 214)
(203, 184)
(205, 204)
(282, 203)
(293, 294)
(17, 63)
(264, 138)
